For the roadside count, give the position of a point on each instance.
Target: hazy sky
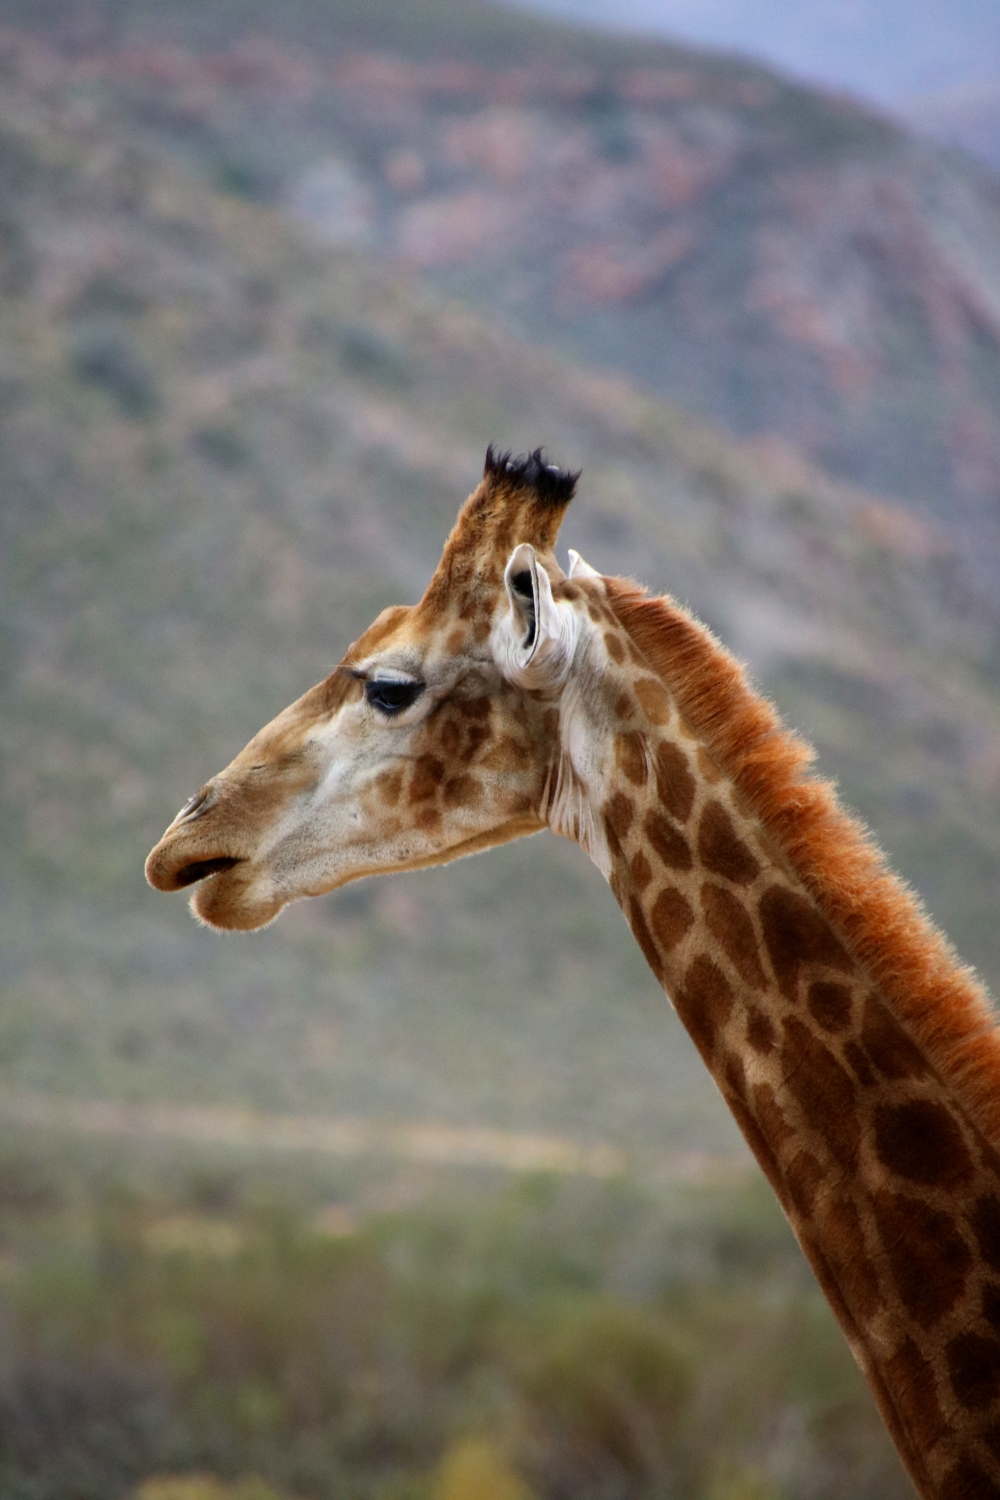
(888, 50)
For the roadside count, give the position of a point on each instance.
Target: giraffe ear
(579, 567)
(534, 637)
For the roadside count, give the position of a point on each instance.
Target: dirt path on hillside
(421, 1142)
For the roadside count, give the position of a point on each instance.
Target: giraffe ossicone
(859, 1058)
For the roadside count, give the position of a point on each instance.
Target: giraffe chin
(228, 902)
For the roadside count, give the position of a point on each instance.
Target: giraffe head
(436, 736)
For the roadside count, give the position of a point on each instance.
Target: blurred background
(423, 1194)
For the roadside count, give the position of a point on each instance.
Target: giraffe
(860, 1060)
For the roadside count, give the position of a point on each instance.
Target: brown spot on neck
(795, 935)
(630, 756)
(823, 1090)
(671, 917)
(929, 1260)
(654, 700)
(675, 784)
(921, 1141)
(704, 1001)
(720, 849)
(729, 924)
(667, 844)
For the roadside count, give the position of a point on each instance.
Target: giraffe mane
(882, 922)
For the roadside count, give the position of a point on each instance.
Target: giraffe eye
(392, 697)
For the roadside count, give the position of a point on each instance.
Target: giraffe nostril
(199, 869)
(193, 805)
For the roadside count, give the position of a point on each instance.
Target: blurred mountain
(967, 115)
(772, 258)
(224, 447)
(885, 50)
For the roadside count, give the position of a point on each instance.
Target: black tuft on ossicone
(530, 472)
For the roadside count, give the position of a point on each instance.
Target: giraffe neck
(889, 1183)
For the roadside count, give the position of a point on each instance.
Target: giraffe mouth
(200, 869)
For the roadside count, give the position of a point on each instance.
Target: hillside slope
(772, 258)
(224, 448)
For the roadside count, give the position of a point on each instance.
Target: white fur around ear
(534, 640)
(580, 569)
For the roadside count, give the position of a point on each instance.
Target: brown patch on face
(462, 791)
(803, 1176)
(760, 1032)
(728, 922)
(449, 737)
(630, 756)
(503, 756)
(842, 1238)
(654, 699)
(642, 873)
(859, 1064)
(911, 1379)
(704, 1002)
(623, 706)
(830, 1005)
(675, 784)
(796, 934)
(426, 777)
(478, 735)
(974, 1369)
(720, 850)
(887, 1044)
(388, 786)
(428, 819)
(671, 917)
(822, 1089)
(667, 843)
(637, 922)
(455, 641)
(921, 1141)
(986, 1227)
(928, 1258)
(618, 815)
(614, 647)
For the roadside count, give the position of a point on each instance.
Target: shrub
(105, 356)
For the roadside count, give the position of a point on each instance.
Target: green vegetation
(209, 1334)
